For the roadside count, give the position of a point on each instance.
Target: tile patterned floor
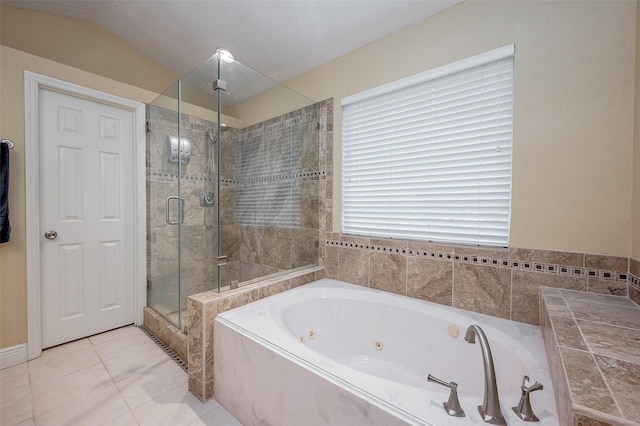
(116, 378)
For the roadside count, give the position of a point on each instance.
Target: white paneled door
(86, 154)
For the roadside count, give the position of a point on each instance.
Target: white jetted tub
(332, 353)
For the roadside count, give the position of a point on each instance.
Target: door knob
(50, 235)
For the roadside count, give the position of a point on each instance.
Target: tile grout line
(115, 384)
(591, 353)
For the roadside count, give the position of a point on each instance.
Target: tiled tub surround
(335, 353)
(204, 307)
(497, 282)
(593, 347)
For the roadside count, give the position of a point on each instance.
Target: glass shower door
(199, 183)
(165, 212)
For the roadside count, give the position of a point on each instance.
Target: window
(429, 157)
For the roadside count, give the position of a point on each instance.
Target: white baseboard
(13, 355)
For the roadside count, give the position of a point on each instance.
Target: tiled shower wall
(254, 247)
(277, 229)
(315, 191)
(198, 231)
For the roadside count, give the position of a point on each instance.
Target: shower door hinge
(219, 85)
(148, 126)
(222, 260)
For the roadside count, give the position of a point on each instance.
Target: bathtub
(332, 353)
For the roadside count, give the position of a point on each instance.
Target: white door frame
(33, 83)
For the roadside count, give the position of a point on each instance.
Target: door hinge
(148, 126)
(219, 85)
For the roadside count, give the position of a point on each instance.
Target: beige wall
(13, 63)
(81, 45)
(573, 111)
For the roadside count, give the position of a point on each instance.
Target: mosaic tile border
(188, 177)
(634, 281)
(314, 175)
(549, 268)
(306, 176)
(274, 178)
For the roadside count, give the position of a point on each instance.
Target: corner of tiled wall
(634, 280)
(589, 344)
(166, 332)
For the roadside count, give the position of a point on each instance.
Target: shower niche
(232, 184)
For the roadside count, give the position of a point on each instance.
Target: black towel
(5, 228)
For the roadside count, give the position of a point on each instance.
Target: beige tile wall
(277, 247)
(498, 282)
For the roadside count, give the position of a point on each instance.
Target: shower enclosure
(232, 183)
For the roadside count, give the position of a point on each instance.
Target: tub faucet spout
(490, 408)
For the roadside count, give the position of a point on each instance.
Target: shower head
(213, 134)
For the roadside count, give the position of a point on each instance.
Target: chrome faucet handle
(523, 409)
(452, 405)
(490, 409)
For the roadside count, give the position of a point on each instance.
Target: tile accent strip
(499, 262)
(312, 174)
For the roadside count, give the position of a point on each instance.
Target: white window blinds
(429, 157)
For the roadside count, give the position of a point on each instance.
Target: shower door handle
(180, 210)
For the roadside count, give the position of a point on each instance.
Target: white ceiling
(279, 38)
